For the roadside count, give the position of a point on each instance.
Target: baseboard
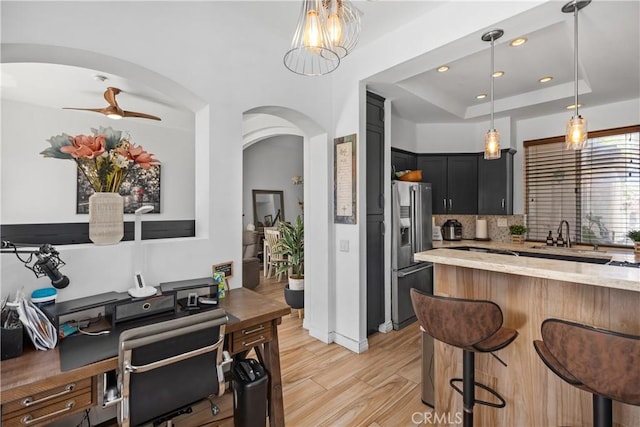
(326, 338)
(385, 327)
(349, 344)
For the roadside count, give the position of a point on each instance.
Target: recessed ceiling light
(545, 79)
(519, 41)
(573, 106)
(443, 68)
(498, 74)
(481, 96)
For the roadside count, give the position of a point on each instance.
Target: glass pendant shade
(492, 145)
(311, 53)
(576, 133)
(343, 25)
(492, 137)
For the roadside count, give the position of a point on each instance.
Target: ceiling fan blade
(140, 115)
(97, 110)
(110, 95)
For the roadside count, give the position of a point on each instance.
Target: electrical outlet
(502, 222)
(344, 246)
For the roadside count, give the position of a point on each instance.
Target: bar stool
(474, 326)
(602, 362)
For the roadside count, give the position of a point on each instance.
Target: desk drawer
(247, 338)
(46, 406)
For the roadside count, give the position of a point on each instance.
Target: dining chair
(275, 260)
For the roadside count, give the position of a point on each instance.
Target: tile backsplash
(498, 234)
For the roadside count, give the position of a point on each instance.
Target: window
(597, 189)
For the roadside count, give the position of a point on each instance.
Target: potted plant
(517, 233)
(291, 245)
(635, 236)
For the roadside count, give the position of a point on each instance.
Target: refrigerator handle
(416, 220)
(382, 228)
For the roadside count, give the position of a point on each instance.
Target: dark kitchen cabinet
(375, 154)
(375, 211)
(454, 182)
(402, 160)
(495, 184)
(375, 272)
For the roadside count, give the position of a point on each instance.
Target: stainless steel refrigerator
(411, 233)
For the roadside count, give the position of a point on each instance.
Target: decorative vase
(106, 218)
(517, 239)
(296, 284)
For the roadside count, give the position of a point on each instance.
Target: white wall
(403, 133)
(43, 190)
(269, 165)
(459, 138)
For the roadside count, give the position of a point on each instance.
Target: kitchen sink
(555, 256)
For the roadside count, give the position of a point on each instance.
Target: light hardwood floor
(328, 385)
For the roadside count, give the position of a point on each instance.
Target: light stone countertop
(608, 276)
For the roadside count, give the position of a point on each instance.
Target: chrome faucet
(567, 236)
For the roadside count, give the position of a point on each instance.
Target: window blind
(597, 189)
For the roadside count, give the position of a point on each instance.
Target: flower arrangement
(104, 157)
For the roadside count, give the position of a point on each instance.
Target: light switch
(502, 222)
(344, 246)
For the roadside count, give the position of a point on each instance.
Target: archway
(268, 121)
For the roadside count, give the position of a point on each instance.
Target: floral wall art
(108, 161)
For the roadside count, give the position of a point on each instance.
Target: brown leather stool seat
(475, 326)
(604, 363)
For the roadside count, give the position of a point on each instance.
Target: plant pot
(517, 239)
(106, 218)
(293, 297)
(296, 284)
(636, 248)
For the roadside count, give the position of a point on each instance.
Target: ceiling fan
(114, 111)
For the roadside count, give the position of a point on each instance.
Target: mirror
(268, 207)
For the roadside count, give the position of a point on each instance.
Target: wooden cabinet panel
(453, 181)
(247, 338)
(462, 184)
(375, 272)
(46, 406)
(402, 160)
(434, 170)
(375, 169)
(495, 184)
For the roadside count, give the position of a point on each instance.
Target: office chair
(165, 367)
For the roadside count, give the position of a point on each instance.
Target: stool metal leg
(468, 386)
(602, 414)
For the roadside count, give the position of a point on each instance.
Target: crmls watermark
(447, 418)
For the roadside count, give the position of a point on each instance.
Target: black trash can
(250, 382)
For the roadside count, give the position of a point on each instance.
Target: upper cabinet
(402, 160)
(495, 184)
(453, 181)
(375, 154)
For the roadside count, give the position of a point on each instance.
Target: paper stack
(42, 333)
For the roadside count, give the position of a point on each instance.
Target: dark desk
(37, 374)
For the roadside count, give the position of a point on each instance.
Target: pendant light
(492, 137)
(576, 132)
(311, 53)
(343, 25)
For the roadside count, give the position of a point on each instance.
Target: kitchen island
(530, 290)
